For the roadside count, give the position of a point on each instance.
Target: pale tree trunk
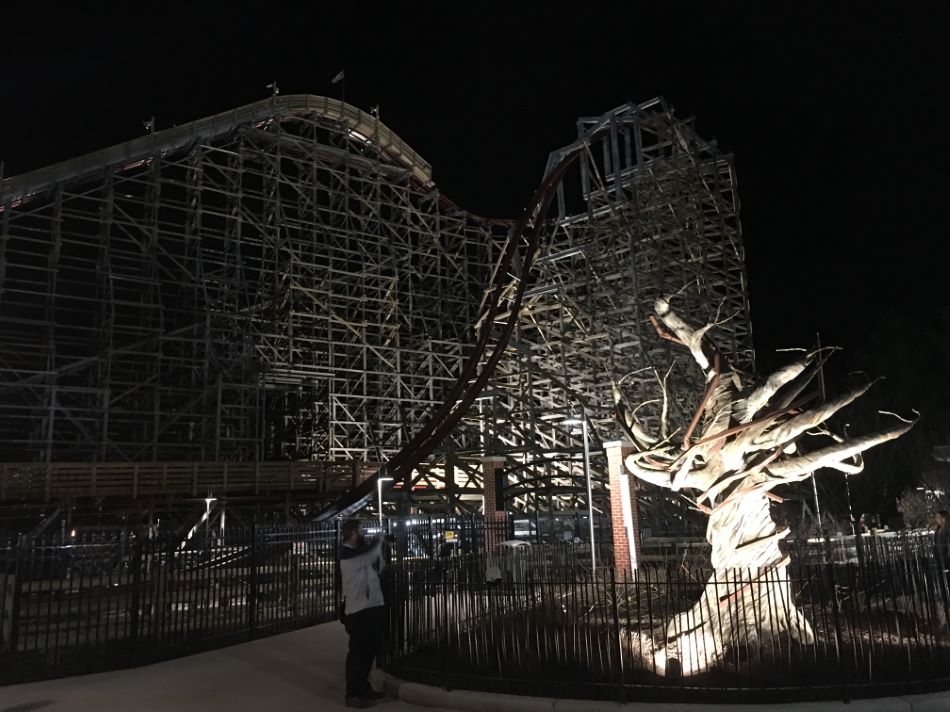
(739, 605)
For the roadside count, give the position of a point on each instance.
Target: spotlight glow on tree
(743, 441)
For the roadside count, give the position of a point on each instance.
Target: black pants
(365, 629)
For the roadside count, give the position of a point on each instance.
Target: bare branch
(835, 455)
(664, 416)
(707, 398)
(792, 428)
(628, 421)
(632, 373)
(755, 401)
(691, 338)
(661, 478)
(902, 419)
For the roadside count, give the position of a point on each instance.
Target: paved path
(295, 672)
(303, 672)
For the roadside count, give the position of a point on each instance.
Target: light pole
(379, 499)
(582, 421)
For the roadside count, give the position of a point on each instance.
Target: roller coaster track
(17, 189)
(479, 368)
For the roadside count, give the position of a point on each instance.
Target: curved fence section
(879, 621)
(471, 607)
(82, 601)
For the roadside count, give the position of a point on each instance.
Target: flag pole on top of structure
(341, 77)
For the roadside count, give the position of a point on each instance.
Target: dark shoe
(371, 694)
(360, 702)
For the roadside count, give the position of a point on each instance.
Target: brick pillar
(626, 543)
(495, 519)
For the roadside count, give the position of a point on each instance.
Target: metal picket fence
(72, 604)
(105, 600)
(470, 604)
(880, 625)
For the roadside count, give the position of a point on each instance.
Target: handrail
(362, 125)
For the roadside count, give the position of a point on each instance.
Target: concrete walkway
(303, 672)
(294, 672)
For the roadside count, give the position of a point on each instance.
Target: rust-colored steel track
(472, 379)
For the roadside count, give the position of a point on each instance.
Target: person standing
(360, 565)
(942, 538)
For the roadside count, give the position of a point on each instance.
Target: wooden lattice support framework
(649, 208)
(284, 281)
(280, 282)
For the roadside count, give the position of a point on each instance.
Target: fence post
(621, 689)
(839, 642)
(337, 574)
(135, 563)
(293, 594)
(7, 582)
(252, 592)
(160, 602)
(15, 583)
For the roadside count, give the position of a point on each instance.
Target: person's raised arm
(364, 553)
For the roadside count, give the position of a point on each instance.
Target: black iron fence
(87, 602)
(472, 604)
(74, 604)
(878, 625)
(453, 541)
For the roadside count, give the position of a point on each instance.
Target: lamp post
(582, 421)
(379, 499)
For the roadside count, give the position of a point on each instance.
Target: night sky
(835, 113)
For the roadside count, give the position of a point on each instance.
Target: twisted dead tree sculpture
(742, 443)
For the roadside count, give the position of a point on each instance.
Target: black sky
(835, 112)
